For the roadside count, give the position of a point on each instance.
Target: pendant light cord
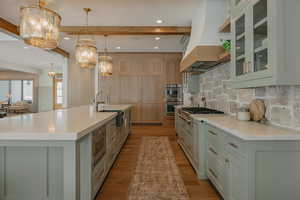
(105, 50)
(87, 10)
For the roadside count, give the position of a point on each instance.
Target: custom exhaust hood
(204, 50)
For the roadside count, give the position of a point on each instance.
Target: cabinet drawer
(98, 176)
(215, 171)
(214, 139)
(235, 145)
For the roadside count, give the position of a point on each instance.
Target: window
(16, 91)
(28, 91)
(59, 96)
(4, 90)
(20, 90)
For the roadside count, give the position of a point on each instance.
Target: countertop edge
(43, 136)
(287, 137)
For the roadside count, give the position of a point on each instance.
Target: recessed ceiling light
(67, 38)
(157, 38)
(156, 47)
(118, 47)
(159, 21)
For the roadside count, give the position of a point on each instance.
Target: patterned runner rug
(157, 176)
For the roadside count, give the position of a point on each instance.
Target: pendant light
(105, 62)
(39, 26)
(51, 72)
(86, 51)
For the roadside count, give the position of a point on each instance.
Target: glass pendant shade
(86, 53)
(51, 72)
(105, 65)
(39, 27)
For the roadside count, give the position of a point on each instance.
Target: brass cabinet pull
(213, 151)
(213, 173)
(233, 145)
(213, 133)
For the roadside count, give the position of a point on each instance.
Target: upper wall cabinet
(265, 43)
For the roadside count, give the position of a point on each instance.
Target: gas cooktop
(201, 110)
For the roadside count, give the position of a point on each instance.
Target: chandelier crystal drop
(39, 26)
(86, 50)
(105, 62)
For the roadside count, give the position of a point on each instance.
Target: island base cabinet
(30, 173)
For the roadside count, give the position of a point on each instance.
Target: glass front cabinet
(265, 41)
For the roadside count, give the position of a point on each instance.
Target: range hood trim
(201, 54)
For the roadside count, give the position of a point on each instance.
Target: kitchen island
(59, 155)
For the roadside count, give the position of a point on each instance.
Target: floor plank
(119, 178)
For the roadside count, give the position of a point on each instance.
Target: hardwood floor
(117, 182)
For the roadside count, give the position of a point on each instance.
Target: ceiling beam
(13, 30)
(127, 30)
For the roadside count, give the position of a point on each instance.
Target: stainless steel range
(173, 97)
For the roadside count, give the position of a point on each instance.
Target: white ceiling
(14, 56)
(118, 13)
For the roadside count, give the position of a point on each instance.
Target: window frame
(22, 88)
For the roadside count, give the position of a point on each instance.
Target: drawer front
(214, 139)
(99, 145)
(98, 176)
(235, 145)
(215, 171)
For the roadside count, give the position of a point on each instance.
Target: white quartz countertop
(117, 107)
(66, 124)
(247, 130)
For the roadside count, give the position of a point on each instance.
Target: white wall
(80, 84)
(209, 16)
(45, 91)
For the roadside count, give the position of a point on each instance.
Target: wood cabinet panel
(136, 113)
(152, 112)
(139, 79)
(130, 89)
(172, 68)
(152, 67)
(152, 89)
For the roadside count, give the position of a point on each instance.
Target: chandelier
(51, 72)
(86, 51)
(105, 62)
(39, 26)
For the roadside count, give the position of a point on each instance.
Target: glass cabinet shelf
(238, 37)
(261, 22)
(259, 49)
(240, 57)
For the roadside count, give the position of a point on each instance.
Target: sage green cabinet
(252, 170)
(265, 43)
(61, 170)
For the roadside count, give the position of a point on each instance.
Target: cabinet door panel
(130, 89)
(152, 89)
(237, 179)
(152, 112)
(136, 113)
(152, 67)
